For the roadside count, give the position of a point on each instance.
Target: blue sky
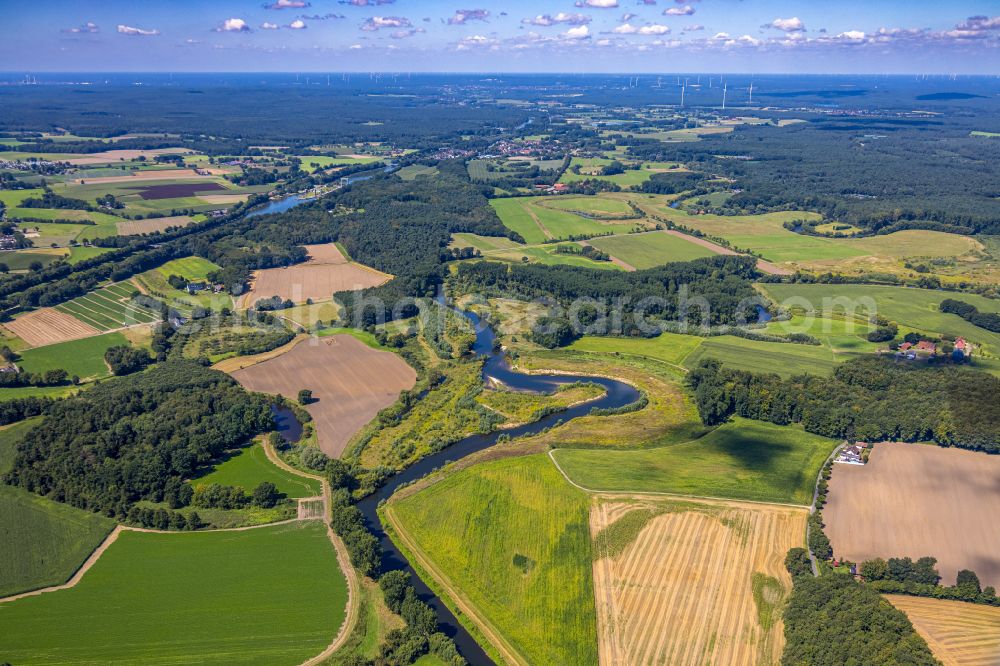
(815, 36)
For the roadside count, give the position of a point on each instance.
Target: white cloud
(288, 4)
(88, 27)
(561, 17)
(233, 25)
(597, 4)
(355, 47)
(267, 25)
(686, 10)
(579, 32)
(721, 35)
(793, 24)
(852, 36)
(693, 28)
(298, 24)
(477, 41)
(463, 16)
(379, 22)
(137, 32)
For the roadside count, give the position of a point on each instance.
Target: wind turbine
(724, 86)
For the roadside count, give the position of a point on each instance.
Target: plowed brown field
(913, 500)
(699, 583)
(48, 326)
(958, 633)
(350, 382)
(327, 271)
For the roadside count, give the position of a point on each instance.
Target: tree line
(867, 399)
(137, 437)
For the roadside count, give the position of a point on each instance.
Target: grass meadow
(743, 459)
(248, 467)
(271, 595)
(916, 309)
(536, 222)
(83, 358)
(41, 542)
(513, 538)
(651, 249)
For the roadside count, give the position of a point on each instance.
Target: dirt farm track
(685, 589)
(350, 382)
(915, 500)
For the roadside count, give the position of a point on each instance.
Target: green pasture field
(783, 358)
(416, 170)
(525, 216)
(588, 204)
(513, 537)
(650, 249)
(629, 178)
(546, 254)
(12, 392)
(482, 243)
(742, 460)
(42, 542)
(271, 595)
(671, 348)
(21, 260)
(323, 161)
(837, 333)
(99, 218)
(83, 358)
(514, 215)
(51, 233)
(109, 308)
(80, 253)
(190, 268)
(249, 466)
(13, 198)
(916, 309)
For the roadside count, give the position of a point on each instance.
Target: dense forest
(868, 399)
(644, 299)
(137, 437)
(833, 620)
(883, 174)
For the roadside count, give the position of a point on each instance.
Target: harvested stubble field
(915, 500)
(958, 633)
(691, 582)
(119, 155)
(350, 382)
(49, 326)
(327, 271)
(153, 225)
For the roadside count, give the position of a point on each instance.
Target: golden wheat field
(684, 582)
(958, 633)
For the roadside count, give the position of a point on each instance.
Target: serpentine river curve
(618, 394)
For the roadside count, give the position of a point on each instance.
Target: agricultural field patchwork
(958, 633)
(49, 326)
(350, 382)
(913, 500)
(510, 538)
(272, 595)
(742, 460)
(110, 307)
(691, 582)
